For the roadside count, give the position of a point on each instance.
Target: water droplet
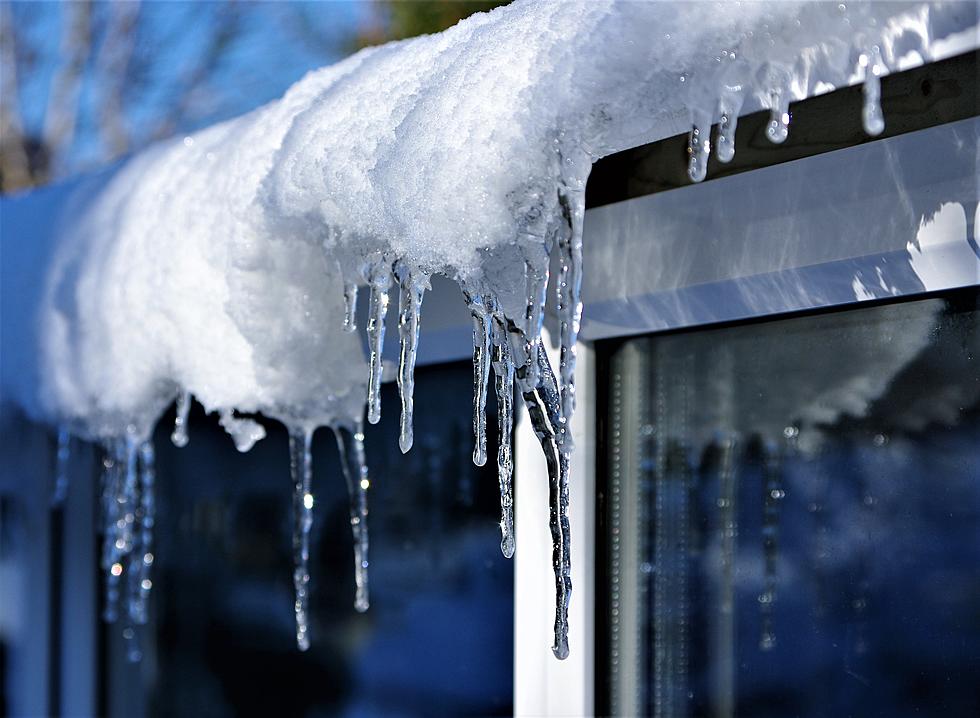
(872, 116)
(179, 435)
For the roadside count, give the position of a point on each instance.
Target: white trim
(833, 229)
(543, 685)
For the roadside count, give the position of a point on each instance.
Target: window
(788, 516)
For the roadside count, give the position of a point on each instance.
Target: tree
(395, 20)
(83, 83)
(98, 54)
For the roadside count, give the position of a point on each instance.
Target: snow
(195, 264)
(218, 264)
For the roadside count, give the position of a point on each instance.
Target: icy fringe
(507, 339)
(371, 237)
(128, 511)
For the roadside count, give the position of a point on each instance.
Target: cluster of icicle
(512, 347)
(220, 261)
(128, 507)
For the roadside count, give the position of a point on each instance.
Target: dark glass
(792, 516)
(437, 638)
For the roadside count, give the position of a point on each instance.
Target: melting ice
(227, 265)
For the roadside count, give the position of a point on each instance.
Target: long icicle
(351, 445)
(543, 403)
(128, 499)
(503, 369)
(179, 435)
(411, 286)
(144, 556)
(570, 297)
(111, 483)
(481, 376)
(380, 281)
(301, 473)
(128, 541)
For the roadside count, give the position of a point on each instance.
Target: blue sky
(275, 44)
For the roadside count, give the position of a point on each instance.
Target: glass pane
(437, 638)
(793, 516)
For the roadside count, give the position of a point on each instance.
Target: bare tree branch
(224, 27)
(15, 171)
(62, 110)
(113, 66)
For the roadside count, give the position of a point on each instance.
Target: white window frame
(544, 685)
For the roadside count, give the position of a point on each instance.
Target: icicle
(537, 294)
(569, 299)
(301, 473)
(481, 376)
(135, 607)
(503, 369)
(244, 432)
(62, 461)
(129, 497)
(119, 508)
(380, 281)
(350, 307)
(543, 404)
(110, 564)
(699, 148)
(729, 106)
(871, 114)
(141, 559)
(411, 287)
(778, 128)
(772, 497)
(128, 540)
(179, 436)
(351, 445)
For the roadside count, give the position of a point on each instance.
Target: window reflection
(791, 516)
